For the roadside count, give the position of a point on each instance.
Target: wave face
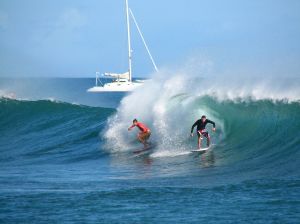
(257, 123)
(57, 160)
(48, 131)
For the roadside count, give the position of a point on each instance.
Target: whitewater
(66, 156)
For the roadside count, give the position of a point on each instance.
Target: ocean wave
(47, 130)
(255, 120)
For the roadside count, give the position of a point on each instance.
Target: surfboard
(141, 150)
(201, 150)
(151, 146)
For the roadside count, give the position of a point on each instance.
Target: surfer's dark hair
(134, 120)
(203, 116)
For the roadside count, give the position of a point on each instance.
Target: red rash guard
(143, 128)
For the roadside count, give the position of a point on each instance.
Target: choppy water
(69, 159)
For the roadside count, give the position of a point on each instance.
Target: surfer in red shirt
(144, 133)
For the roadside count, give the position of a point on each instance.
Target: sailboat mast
(128, 38)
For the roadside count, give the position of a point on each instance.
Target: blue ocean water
(66, 155)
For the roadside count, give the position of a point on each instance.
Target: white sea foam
(7, 94)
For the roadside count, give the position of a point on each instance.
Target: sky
(76, 38)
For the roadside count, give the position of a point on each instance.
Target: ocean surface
(66, 155)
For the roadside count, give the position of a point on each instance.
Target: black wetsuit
(201, 126)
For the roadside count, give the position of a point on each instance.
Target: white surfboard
(201, 150)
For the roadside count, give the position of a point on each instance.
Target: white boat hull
(116, 87)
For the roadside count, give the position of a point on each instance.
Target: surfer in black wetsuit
(201, 131)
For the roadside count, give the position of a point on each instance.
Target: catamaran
(123, 82)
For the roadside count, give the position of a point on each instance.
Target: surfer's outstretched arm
(213, 123)
(132, 126)
(192, 129)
